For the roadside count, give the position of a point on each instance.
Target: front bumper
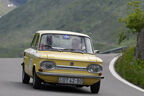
(69, 75)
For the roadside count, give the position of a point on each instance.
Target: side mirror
(96, 51)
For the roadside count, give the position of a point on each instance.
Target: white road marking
(116, 75)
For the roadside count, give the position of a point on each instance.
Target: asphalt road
(10, 83)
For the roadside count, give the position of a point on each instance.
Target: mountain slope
(4, 7)
(97, 18)
(18, 2)
(8, 5)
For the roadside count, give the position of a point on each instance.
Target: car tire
(25, 77)
(36, 81)
(95, 88)
(79, 86)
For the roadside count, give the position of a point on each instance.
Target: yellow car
(62, 58)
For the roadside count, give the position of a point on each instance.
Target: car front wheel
(36, 81)
(95, 88)
(25, 77)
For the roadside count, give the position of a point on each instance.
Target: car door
(33, 53)
(27, 55)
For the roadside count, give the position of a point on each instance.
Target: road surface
(10, 83)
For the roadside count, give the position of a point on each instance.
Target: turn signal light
(100, 74)
(40, 70)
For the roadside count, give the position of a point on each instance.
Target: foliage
(130, 68)
(122, 37)
(135, 19)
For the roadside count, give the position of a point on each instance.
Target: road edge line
(116, 75)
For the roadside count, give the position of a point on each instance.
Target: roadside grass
(130, 68)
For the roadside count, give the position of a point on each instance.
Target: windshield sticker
(66, 37)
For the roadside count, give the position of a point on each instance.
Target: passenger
(76, 44)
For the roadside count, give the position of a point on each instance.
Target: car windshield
(68, 43)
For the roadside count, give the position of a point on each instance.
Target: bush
(130, 68)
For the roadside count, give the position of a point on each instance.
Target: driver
(48, 42)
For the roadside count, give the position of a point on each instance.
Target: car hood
(69, 56)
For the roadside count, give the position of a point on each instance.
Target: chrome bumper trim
(71, 68)
(69, 75)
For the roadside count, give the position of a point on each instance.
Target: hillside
(8, 5)
(18, 2)
(4, 9)
(97, 18)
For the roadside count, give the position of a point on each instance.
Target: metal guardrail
(114, 50)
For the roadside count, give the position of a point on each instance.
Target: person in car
(76, 44)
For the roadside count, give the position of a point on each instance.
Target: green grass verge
(130, 68)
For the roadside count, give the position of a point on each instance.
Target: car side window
(37, 41)
(33, 41)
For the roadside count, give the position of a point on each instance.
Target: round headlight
(47, 65)
(94, 68)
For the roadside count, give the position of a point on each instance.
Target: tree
(135, 23)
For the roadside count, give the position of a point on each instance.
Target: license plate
(67, 80)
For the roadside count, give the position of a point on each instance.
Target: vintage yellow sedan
(62, 58)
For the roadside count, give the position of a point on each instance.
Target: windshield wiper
(73, 50)
(68, 50)
(50, 48)
(53, 49)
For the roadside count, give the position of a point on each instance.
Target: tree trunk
(140, 45)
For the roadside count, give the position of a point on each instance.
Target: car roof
(60, 32)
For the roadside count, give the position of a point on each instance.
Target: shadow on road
(51, 88)
(68, 89)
